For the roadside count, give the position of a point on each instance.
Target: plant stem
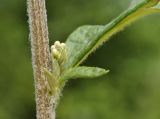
(40, 58)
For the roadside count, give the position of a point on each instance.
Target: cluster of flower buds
(59, 52)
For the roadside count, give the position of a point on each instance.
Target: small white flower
(63, 45)
(59, 51)
(57, 45)
(52, 47)
(56, 54)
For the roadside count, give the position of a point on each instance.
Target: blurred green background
(130, 91)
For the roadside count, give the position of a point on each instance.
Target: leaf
(86, 39)
(149, 3)
(157, 6)
(83, 72)
(135, 2)
(52, 81)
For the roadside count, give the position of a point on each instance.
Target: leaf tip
(104, 72)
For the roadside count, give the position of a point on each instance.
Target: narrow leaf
(51, 80)
(83, 72)
(86, 39)
(149, 3)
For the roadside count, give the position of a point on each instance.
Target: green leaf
(86, 39)
(83, 72)
(52, 81)
(157, 6)
(149, 3)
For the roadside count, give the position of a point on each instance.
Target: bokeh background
(130, 91)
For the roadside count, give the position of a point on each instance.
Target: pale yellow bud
(55, 53)
(59, 51)
(63, 45)
(57, 44)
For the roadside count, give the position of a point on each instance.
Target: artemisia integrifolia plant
(54, 66)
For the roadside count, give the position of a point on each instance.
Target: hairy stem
(40, 58)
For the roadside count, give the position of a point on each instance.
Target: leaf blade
(87, 38)
(83, 72)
